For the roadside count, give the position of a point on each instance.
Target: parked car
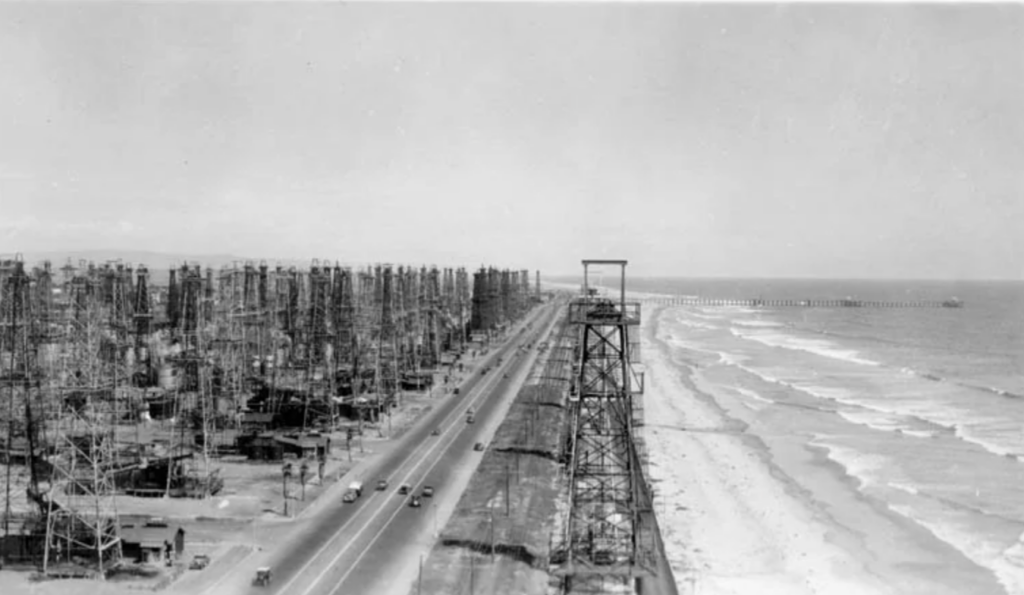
(436, 432)
(199, 562)
(428, 491)
(403, 489)
(382, 484)
(414, 502)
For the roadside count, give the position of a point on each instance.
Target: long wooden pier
(791, 303)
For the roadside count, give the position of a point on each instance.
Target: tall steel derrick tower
(608, 542)
(79, 506)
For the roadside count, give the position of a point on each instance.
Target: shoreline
(847, 541)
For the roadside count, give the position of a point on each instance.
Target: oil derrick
(194, 409)
(386, 344)
(495, 313)
(45, 335)
(318, 339)
(142, 311)
(505, 296)
(19, 381)
(524, 279)
(173, 302)
(117, 353)
(447, 305)
(431, 310)
(229, 345)
(79, 506)
(418, 330)
(411, 333)
(290, 301)
(609, 538)
(404, 317)
(260, 321)
(478, 317)
(366, 321)
(462, 299)
(346, 336)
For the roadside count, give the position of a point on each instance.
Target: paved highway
(358, 547)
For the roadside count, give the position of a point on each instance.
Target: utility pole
(492, 535)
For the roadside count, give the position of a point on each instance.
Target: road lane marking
(447, 439)
(484, 389)
(527, 365)
(387, 525)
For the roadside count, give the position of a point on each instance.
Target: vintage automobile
(199, 562)
(263, 576)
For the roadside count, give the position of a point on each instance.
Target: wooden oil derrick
(318, 341)
(79, 504)
(195, 409)
(346, 336)
(19, 381)
(432, 327)
(447, 306)
(478, 319)
(403, 300)
(386, 344)
(142, 311)
(505, 297)
(230, 347)
(462, 305)
(173, 303)
(524, 279)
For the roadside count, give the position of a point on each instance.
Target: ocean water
(922, 409)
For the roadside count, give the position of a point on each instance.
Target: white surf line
(459, 411)
(355, 564)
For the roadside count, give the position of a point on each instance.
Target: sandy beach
(746, 507)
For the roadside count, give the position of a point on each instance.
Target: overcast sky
(770, 141)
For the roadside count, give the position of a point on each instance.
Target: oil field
(128, 402)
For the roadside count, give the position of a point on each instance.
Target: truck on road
(355, 489)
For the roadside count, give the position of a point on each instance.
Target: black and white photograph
(511, 297)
